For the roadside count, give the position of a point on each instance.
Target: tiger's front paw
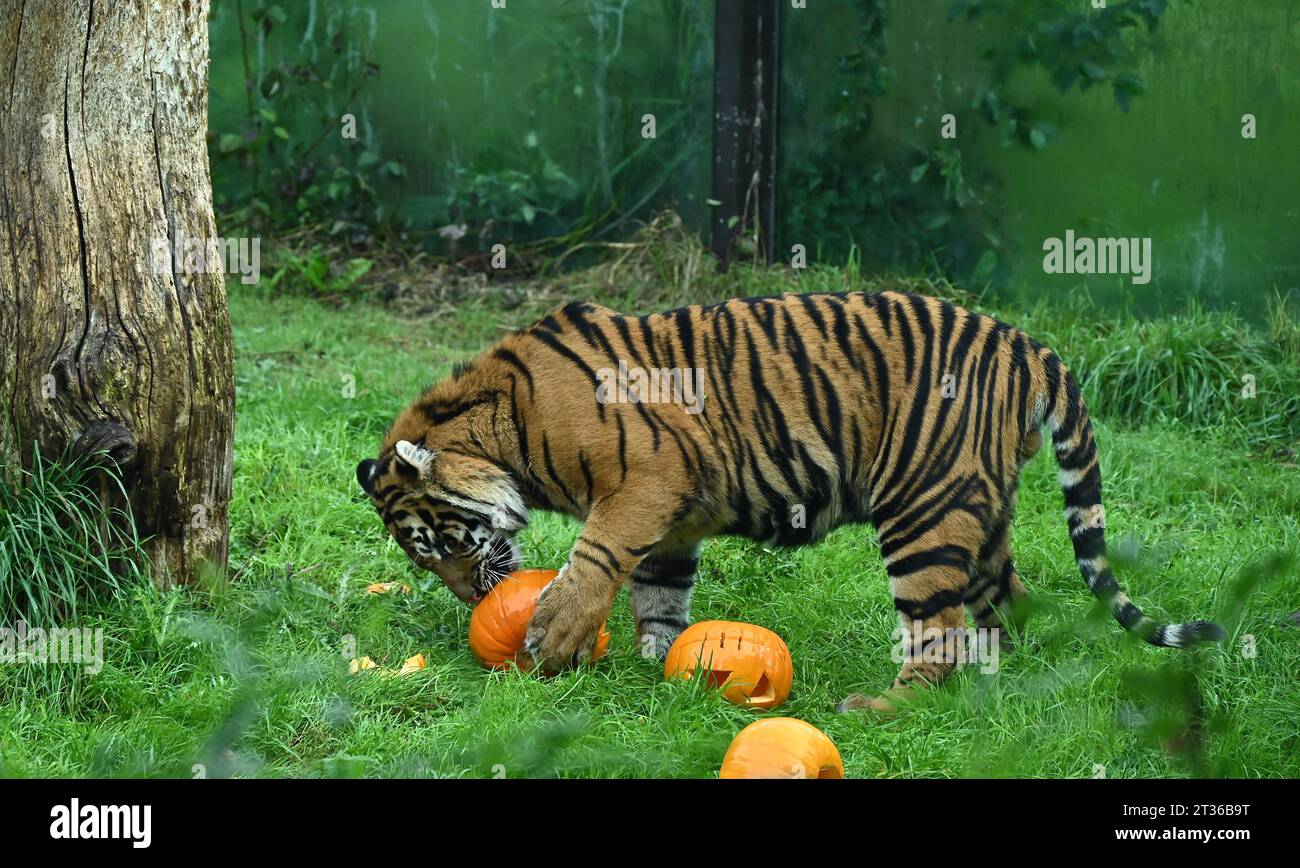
(564, 628)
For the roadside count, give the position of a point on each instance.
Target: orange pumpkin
(499, 625)
(751, 664)
(782, 747)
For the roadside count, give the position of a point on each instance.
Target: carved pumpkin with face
(751, 664)
(782, 747)
(500, 621)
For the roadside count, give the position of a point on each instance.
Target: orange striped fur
(816, 410)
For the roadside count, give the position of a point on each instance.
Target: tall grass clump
(60, 546)
(1201, 368)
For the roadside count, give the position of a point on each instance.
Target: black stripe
(586, 473)
(440, 414)
(923, 610)
(679, 623)
(1052, 369)
(1075, 459)
(905, 333)
(680, 582)
(665, 567)
(809, 303)
(650, 422)
(511, 359)
(941, 556)
(555, 477)
(647, 335)
(620, 323)
(604, 550)
(622, 447)
(1085, 492)
(569, 354)
(1128, 615)
(600, 566)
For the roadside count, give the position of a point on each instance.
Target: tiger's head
(450, 512)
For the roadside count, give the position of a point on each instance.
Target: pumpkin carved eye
(751, 664)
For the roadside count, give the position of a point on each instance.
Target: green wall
(1223, 212)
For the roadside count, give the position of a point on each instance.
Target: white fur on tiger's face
(462, 532)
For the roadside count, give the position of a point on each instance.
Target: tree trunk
(107, 340)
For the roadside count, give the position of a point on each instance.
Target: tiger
(898, 410)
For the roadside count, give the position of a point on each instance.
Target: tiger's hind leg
(995, 587)
(660, 588)
(930, 561)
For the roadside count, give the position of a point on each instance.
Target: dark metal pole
(745, 86)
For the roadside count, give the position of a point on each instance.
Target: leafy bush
(934, 207)
(284, 76)
(317, 271)
(290, 159)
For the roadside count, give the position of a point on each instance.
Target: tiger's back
(816, 409)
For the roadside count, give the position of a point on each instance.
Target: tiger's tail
(1061, 410)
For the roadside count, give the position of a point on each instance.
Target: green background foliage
(524, 125)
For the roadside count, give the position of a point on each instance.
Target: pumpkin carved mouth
(763, 692)
(750, 664)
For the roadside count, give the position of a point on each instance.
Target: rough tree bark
(106, 342)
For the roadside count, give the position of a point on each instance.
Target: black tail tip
(1188, 634)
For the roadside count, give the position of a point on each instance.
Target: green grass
(250, 677)
(56, 541)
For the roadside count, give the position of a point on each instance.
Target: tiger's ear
(366, 475)
(419, 458)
